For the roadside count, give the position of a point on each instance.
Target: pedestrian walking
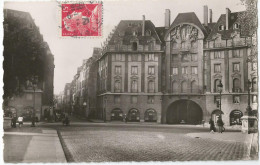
(212, 126)
(20, 121)
(14, 119)
(220, 124)
(126, 118)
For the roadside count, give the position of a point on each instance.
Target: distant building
(28, 66)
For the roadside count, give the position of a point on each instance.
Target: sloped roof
(226, 34)
(190, 17)
(125, 29)
(161, 32)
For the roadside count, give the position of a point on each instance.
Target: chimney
(167, 18)
(143, 27)
(205, 8)
(228, 12)
(210, 15)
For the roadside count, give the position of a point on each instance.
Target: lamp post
(220, 87)
(249, 109)
(34, 84)
(105, 104)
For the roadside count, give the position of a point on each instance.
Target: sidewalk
(32, 145)
(251, 140)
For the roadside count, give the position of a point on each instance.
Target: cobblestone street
(128, 143)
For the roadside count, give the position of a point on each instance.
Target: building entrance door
(184, 112)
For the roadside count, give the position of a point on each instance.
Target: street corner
(225, 136)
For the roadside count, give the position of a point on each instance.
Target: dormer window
(148, 33)
(134, 33)
(221, 27)
(134, 46)
(236, 26)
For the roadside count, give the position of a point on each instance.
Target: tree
(249, 24)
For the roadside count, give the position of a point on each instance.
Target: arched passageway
(150, 115)
(133, 115)
(184, 112)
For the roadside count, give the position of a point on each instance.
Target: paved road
(132, 142)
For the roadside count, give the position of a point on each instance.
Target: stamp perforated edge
(59, 15)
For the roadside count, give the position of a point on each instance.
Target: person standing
(220, 125)
(212, 126)
(14, 118)
(20, 121)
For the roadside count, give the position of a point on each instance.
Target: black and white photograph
(122, 82)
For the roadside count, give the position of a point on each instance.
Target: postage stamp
(81, 19)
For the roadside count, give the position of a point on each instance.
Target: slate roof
(189, 17)
(126, 28)
(226, 34)
(161, 32)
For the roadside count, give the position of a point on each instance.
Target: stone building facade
(28, 66)
(171, 74)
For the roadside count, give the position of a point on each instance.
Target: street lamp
(220, 87)
(105, 104)
(249, 109)
(34, 84)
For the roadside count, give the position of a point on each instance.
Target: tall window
(150, 99)
(133, 99)
(184, 70)
(254, 98)
(254, 84)
(216, 83)
(236, 67)
(134, 70)
(134, 46)
(217, 68)
(194, 57)
(117, 86)
(184, 87)
(118, 57)
(174, 87)
(151, 70)
(194, 70)
(117, 99)
(217, 54)
(194, 87)
(150, 57)
(117, 70)
(134, 57)
(184, 58)
(174, 71)
(254, 66)
(236, 53)
(151, 86)
(174, 57)
(134, 86)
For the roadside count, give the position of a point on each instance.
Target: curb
(67, 153)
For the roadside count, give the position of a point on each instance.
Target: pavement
(32, 145)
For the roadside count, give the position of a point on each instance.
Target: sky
(70, 52)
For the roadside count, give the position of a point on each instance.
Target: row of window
(134, 57)
(185, 57)
(184, 70)
(236, 67)
(134, 70)
(220, 54)
(236, 99)
(184, 87)
(133, 99)
(134, 86)
(222, 27)
(184, 45)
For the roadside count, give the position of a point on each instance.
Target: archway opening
(215, 115)
(133, 115)
(117, 115)
(235, 117)
(27, 113)
(184, 112)
(150, 115)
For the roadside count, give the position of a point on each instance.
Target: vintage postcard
(137, 81)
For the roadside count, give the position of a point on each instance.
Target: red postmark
(81, 19)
